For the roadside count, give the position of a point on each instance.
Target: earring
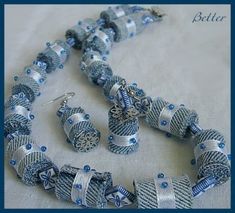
(80, 132)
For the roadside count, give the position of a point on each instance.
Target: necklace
(31, 95)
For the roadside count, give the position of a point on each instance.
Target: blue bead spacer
(163, 123)
(171, 106)
(86, 168)
(61, 66)
(32, 116)
(104, 58)
(41, 80)
(110, 138)
(43, 148)
(133, 140)
(70, 121)
(28, 146)
(160, 175)
(164, 185)
(79, 201)
(221, 145)
(78, 186)
(202, 146)
(28, 71)
(48, 44)
(13, 162)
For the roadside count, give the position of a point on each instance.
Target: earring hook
(66, 97)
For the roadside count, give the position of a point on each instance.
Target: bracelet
(85, 186)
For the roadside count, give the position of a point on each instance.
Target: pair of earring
(80, 131)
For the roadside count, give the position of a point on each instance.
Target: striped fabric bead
(212, 163)
(83, 135)
(55, 55)
(95, 196)
(147, 196)
(81, 31)
(180, 121)
(31, 163)
(16, 123)
(94, 66)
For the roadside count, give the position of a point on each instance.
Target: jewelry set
(85, 186)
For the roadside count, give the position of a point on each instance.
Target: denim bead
(80, 31)
(95, 194)
(211, 160)
(148, 197)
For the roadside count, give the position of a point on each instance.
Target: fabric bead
(16, 122)
(30, 164)
(95, 191)
(130, 25)
(124, 135)
(176, 191)
(100, 40)
(81, 132)
(80, 31)
(95, 67)
(55, 55)
(212, 161)
(178, 122)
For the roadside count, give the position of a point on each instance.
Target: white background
(183, 62)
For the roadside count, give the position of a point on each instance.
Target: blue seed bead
(111, 97)
(221, 145)
(104, 58)
(12, 162)
(31, 117)
(41, 80)
(78, 186)
(79, 201)
(86, 168)
(168, 135)
(171, 106)
(133, 140)
(163, 123)
(48, 44)
(193, 161)
(61, 66)
(92, 56)
(39, 94)
(43, 148)
(28, 146)
(87, 116)
(28, 71)
(110, 138)
(70, 121)
(164, 185)
(16, 78)
(160, 175)
(79, 23)
(202, 146)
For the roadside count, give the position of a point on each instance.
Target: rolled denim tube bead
(81, 31)
(80, 131)
(95, 67)
(17, 115)
(55, 55)
(128, 26)
(164, 193)
(211, 156)
(115, 12)
(86, 188)
(111, 87)
(28, 159)
(171, 118)
(100, 40)
(123, 136)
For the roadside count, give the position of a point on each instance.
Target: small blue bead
(78, 186)
(164, 185)
(28, 146)
(110, 138)
(48, 44)
(171, 106)
(92, 56)
(160, 175)
(70, 121)
(133, 140)
(86, 168)
(202, 146)
(12, 162)
(111, 97)
(221, 145)
(41, 80)
(104, 58)
(28, 71)
(93, 31)
(87, 116)
(163, 123)
(193, 161)
(79, 201)
(61, 66)
(43, 148)
(168, 135)
(79, 23)
(39, 94)
(31, 117)
(16, 78)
